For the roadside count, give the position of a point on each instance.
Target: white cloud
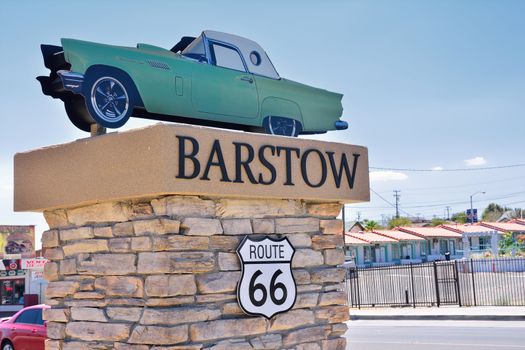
(476, 161)
(437, 168)
(377, 176)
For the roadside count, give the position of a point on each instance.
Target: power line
(387, 201)
(419, 189)
(451, 170)
(440, 203)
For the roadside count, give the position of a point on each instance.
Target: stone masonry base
(161, 274)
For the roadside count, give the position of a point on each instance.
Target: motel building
(376, 250)
(517, 227)
(477, 239)
(413, 245)
(440, 241)
(408, 249)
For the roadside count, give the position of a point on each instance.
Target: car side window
(28, 316)
(226, 57)
(39, 319)
(195, 50)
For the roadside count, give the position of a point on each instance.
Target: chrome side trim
(72, 81)
(158, 64)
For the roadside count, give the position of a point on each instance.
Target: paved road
(435, 335)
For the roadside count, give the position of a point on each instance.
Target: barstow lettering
(188, 151)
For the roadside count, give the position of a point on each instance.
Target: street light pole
(471, 207)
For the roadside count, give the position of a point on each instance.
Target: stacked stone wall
(161, 274)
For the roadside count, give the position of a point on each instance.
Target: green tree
(370, 225)
(401, 221)
(506, 243)
(493, 212)
(460, 218)
(437, 221)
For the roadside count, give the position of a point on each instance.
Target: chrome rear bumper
(72, 81)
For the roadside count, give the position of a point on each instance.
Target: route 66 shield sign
(267, 286)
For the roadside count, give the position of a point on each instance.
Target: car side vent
(157, 64)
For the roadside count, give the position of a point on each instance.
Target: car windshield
(195, 49)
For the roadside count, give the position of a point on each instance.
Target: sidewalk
(479, 313)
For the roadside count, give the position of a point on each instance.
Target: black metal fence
(487, 282)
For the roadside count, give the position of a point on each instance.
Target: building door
(452, 247)
(443, 246)
(380, 254)
(407, 251)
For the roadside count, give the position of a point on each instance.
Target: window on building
(406, 251)
(484, 243)
(395, 252)
(452, 247)
(423, 247)
(12, 291)
(368, 254)
(351, 254)
(443, 246)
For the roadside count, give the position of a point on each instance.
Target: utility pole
(397, 195)
(471, 207)
(448, 212)
(358, 216)
(383, 220)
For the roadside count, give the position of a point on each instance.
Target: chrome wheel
(8, 346)
(109, 100)
(282, 126)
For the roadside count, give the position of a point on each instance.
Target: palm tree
(370, 225)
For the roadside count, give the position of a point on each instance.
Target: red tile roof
(519, 221)
(371, 237)
(352, 240)
(505, 226)
(466, 228)
(398, 235)
(428, 232)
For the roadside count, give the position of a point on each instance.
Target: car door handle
(33, 331)
(248, 79)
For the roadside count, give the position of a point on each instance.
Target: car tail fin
(54, 57)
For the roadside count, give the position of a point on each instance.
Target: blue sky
(426, 84)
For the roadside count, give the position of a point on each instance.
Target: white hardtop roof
(246, 47)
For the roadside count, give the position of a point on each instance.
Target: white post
(494, 242)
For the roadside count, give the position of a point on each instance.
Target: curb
(440, 317)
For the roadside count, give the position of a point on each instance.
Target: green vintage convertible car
(215, 79)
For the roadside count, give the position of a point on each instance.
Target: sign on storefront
(17, 242)
(11, 267)
(33, 264)
(37, 275)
